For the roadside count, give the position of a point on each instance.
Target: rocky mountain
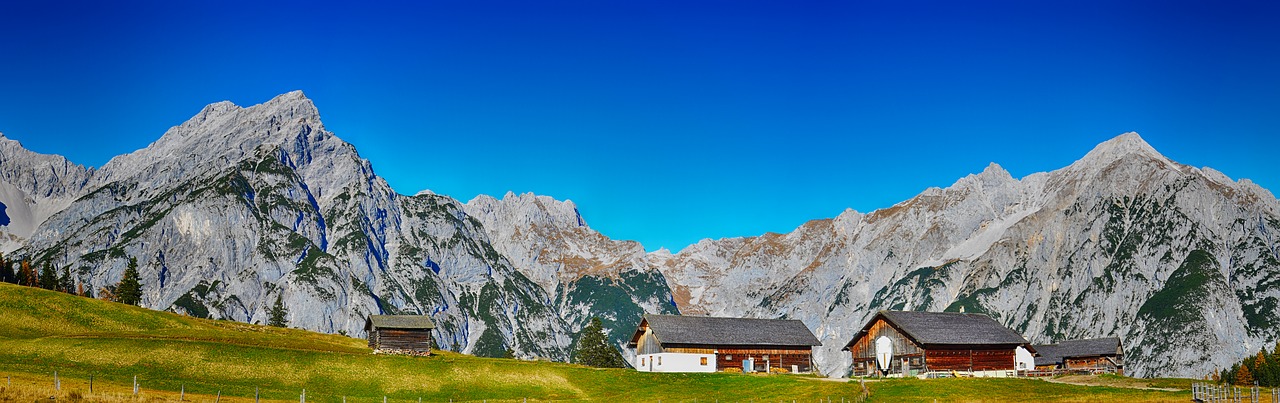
(240, 206)
(1181, 263)
(237, 207)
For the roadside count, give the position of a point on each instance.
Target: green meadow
(172, 355)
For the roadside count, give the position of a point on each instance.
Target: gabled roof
(944, 328)
(705, 330)
(398, 322)
(1054, 353)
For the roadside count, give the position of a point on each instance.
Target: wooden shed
(399, 333)
(1102, 355)
(721, 343)
(908, 343)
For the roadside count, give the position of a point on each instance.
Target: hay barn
(1103, 355)
(399, 333)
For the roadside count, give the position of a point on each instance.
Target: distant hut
(909, 343)
(399, 333)
(1103, 355)
(675, 343)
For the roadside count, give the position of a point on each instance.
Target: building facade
(675, 343)
(1102, 355)
(903, 343)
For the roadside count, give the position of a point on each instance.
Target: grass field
(42, 332)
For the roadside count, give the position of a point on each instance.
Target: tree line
(1262, 369)
(21, 272)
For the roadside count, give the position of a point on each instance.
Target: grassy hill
(42, 332)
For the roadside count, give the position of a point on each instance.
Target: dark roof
(706, 330)
(398, 322)
(947, 328)
(1055, 353)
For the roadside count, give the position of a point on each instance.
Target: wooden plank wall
(416, 340)
(977, 359)
(864, 349)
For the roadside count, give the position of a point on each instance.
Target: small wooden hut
(908, 343)
(399, 333)
(677, 343)
(1102, 355)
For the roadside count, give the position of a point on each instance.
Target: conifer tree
(1244, 377)
(129, 290)
(278, 314)
(24, 276)
(48, 280)
(6, 271)
(594, 349)
(65, 283)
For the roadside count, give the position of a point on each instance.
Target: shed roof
(946, 328)
(1054, 353)
(706, 330)
(398, 322)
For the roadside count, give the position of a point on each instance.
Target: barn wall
(401, 339)
(974, 358)
(648, 343)
(1098, 363)
(864, 350)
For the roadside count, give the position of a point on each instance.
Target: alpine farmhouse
(674, 343)
(903, 343)
(1104, 355)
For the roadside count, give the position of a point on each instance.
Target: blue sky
(669, 121)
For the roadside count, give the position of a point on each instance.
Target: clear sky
(669, 121)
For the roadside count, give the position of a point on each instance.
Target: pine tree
(6, 271)
(278, 314)
(26, 276)
(129, 290)
(1244, 377)
(594, 349)
(65, 283)
(48, 280)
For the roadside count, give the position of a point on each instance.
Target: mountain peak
(1125, 144)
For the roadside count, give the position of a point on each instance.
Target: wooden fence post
(135, 385)
(219, 398)
(303, 398)
(57, 384)
(90, 383)
(255, 394)
(182, 392)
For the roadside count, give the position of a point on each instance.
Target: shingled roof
(1054, 353)
(398, 322)
(946, 328)
(705, 330)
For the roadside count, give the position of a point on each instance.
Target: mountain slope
(1100, 248)
(238, 206)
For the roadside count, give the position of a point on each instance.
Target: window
(728, 357)
(704, 361)
(642, 361)
(659, 360)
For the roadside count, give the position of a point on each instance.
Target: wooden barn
(1104, 355)
(399, 333)
(909, 343)
(674, 343)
